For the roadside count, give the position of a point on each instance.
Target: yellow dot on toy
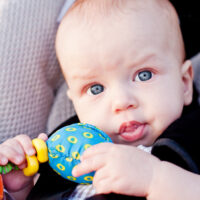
(55, 138)
(72, 139)
(81, 124)
(71, 178)
(69, 159)
(102, 136)
(88, 135)
(53, 156)
(88, 178)
(86, 146)
(60, 166)
(56, 172)
(86, 127)
(70, 129)
(60, 148)
(76, 155)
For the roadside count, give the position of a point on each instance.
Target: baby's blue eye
(144, 76)
(95, 89)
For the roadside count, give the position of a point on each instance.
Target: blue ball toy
(66, 146)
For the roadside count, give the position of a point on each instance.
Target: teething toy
(32, 161)
(32, 166)
(65, 148)
(41, 149)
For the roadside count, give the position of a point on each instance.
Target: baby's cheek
(164, 120)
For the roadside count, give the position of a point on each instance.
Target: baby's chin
(134, 144)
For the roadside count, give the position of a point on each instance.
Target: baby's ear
(187, 77)
(69, 94)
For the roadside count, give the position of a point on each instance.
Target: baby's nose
(124, 101)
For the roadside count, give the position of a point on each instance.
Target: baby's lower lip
(132, 131)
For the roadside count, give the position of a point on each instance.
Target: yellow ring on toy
(88, 178)
(55, 138)
(33, 161)
(69, 159)
(88, 135)
(70, 129)
(60, 148)
(72, 139)
(76, 155)
(32, 166)
(71, 178)
(86, 146)
(60, 166)
(53, 156)
(41, 149)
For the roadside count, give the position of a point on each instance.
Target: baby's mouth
(131, 131)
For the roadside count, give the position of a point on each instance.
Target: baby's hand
(14, 150)
(119, 169)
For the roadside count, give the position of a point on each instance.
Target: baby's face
(125, 77)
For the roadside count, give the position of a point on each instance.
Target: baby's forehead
(90, 15)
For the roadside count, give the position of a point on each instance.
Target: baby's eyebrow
(145, 59)
(84, 76)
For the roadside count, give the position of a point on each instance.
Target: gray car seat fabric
(29, 72)
(59, 109)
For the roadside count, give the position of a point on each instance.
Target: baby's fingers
(100, 148)
(26, 144)
(43, 136)
(3, 159)
(10, 154)
(103, 186)
(89, 165)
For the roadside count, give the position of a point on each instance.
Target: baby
(125, 67)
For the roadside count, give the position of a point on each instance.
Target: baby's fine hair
(93, 8)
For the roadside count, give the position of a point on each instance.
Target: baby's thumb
(43, 136)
